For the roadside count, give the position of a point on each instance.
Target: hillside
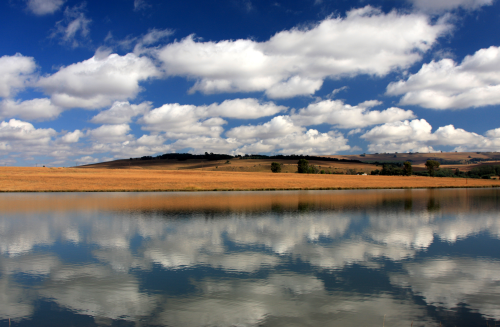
(234, 164)
(465, 161)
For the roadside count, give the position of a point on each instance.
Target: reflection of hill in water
(443, 200)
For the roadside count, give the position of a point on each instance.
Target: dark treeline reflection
(346, 258)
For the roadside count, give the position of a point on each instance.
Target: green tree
(407, 168)
(432, 166)
(276, 167)
(303, 166)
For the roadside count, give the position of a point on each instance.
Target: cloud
(341, 115)
(140, 5)
(17, 130)
(417, 136)
(44, 7)
(35, 109)
(243, 109)
(110, 133)
(355, 131)
(446, 85)
(121, 112)
(86, 160)
(295, 62)
(73, 29)
(140, 43)
(72, 137)
(277, 127)
(183, 121)
(151, 140)
(300, 142)
(15, 72)
(202, 144)
(151, 37)
(400, 136)
(439, 6)
(98, 81)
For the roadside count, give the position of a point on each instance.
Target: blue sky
(84, 82)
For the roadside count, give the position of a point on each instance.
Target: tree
(432, 166)
(276, 167)
(407, 168)
(303, 166)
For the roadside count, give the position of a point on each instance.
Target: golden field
(26, 179)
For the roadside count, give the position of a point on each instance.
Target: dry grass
(23, 179)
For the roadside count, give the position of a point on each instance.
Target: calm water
(317, 258)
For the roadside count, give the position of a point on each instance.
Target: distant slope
(462, 160)
(235, 164)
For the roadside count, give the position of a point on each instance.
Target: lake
(426, 257)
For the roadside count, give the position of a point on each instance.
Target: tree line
(217, 156)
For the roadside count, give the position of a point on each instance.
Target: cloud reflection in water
(279, 258)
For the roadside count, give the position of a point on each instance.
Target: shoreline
(187, 190)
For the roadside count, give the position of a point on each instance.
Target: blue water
(309, 258)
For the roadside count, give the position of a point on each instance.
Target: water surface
(305, 258)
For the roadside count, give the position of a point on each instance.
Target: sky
(91, 81)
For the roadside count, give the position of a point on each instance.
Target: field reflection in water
(305, 258)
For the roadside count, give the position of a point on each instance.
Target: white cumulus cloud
(417, 136)
(341, 115)
(15, 71)
(183, 121)
(35, 109)
(98, 81)
(295, 62)
(72, 137)
(110, 133)
(243, 109)
(279, 126)
(17, 130)
(121, 112)
(445, 85)
(299, 142)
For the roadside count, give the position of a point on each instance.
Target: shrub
(313, 170)
(276, 167)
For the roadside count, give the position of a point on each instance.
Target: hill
(465, 161)
(239, 164)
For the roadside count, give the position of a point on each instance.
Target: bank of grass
(23, 179)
